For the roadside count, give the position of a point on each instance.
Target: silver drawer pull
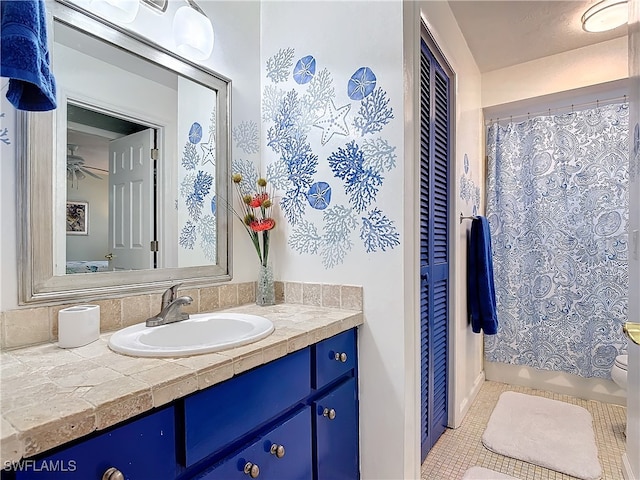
(340, 357)
(252, 470)
(330, 413)
(112, 473)
(277, 450)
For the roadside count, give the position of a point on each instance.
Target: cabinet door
(293, 460)
(142, 450)
(336, 430)
(333, 357)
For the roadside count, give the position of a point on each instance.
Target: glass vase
(265, 290)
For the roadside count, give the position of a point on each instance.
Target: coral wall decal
(330, 199)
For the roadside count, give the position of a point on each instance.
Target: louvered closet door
(434, 246)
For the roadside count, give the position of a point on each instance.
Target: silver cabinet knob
(277, 450)
(340, 357)
(252, 470)
(112, 473)
(330, 413)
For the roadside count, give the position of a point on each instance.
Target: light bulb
(605, 15)
(193, 33)
(123, 11)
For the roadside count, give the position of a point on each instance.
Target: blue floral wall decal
(198, 182)
(333, 121)
(469, 191)
(304, 70)
(246, 137)
(558, 208)
(279, 66)
(361, 84)
(360, 183)
(319, 195)
(209, 150)
(374, 113)
(188, 235)
(195, 133)
(190, 157)
(307, 99)
(4, 133)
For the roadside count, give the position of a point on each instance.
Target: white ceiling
(505, 33)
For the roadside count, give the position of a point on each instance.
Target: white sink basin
(201, 333)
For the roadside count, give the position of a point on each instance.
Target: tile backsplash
(33, 325)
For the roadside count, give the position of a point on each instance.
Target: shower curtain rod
(556, 110)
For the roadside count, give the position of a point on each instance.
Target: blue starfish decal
(209, 151)
(333, 121)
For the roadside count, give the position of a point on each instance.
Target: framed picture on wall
(77, 218)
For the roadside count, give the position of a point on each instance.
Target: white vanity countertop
(51, 396)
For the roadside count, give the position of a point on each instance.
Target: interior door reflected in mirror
(121, 154)
(121, 193)
(120, 182)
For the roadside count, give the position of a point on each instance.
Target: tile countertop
(51, 396)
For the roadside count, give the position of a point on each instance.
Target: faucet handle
(170, 294)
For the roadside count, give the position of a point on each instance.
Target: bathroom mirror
(120, 184)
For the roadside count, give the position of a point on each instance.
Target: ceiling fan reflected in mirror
(76, 168)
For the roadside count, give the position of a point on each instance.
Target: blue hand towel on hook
(481, 290)
(25, 55)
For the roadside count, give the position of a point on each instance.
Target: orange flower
(258, 199)
(262, 225)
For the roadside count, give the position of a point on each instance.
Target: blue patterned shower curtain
(558, 206)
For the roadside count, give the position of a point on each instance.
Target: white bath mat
(481, 473)
(545, 432)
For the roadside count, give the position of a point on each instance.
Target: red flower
(262, 225)
(258, 199)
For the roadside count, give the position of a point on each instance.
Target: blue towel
(25, 55)
(481, 290)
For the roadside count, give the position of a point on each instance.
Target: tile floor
(459, 449)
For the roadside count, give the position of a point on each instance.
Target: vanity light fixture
(123, 11)
(605, 15)
(192, 32)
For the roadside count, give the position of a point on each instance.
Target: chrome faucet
(170, 311)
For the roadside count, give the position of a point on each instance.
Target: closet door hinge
(155, 246)
(154, 154)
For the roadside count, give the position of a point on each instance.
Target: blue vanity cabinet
(283, 453)
(334, 357)
(335, 408)
(224, 413)
(142, 449)
(335, 423)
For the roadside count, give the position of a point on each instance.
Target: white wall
(95, 245)
(343, 36)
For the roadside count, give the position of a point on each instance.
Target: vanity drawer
(293, 437)
(140, 450)
(334, 357)
(221, 414)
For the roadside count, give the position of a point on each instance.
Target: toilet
(619, 371)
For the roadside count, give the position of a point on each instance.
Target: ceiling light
(192, 32)
(605, 15)
(123, 11)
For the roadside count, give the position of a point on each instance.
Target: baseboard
(599, 389)
(467, 401)
(626, 468)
